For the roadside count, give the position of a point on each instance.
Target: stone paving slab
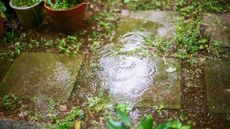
(218, 27)
(134, 78)
(4, 66)
(217, 76)
(13, 124)
(42, 75)
(141, 81)
(165, 92)
(132, 24)
(166, 18)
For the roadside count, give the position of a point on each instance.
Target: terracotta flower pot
(30, 17)
(1, 26)
(68, 20)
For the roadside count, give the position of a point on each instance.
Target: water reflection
(128, 77)
(133, 40)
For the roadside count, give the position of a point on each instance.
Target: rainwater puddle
(128, 77)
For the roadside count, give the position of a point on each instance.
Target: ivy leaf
(186, 127)
(112, 124)
(126, 1)
(175, 124)
(2, 7)
(146, 122)
(125, 118)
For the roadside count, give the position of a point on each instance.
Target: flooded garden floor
(125, 59)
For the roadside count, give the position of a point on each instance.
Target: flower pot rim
(64, 10)
(25, 7)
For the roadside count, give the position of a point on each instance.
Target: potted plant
(66, 15)
(2, 17)
(29, 12)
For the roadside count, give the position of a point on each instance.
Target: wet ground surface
(165, 87)
(42, 75)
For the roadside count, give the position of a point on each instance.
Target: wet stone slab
(167, 19)
(143, 82)
(13, 124)
(165, 92)
(4, 66)
(42, 75)
(136, 79)
(217, 27)
(217, 78)
(131, 24)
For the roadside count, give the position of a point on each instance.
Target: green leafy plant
(10, 101)
(25, 3)
(217, 5)
(147, 4)
(2, 9)
(63, 4)
(123, 121)
(69, 45)
(69, 121)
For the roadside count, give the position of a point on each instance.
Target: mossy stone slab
(143, 82)
(42, 74)
(167, 20)
(127, 25)
(4, 66)
(165, 92)
(217, 76)
(218, 27)
(14, 124)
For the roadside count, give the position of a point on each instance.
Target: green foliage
(10, 36)
(189, 10)
(53, 109)
(105, 20)
(217, 5)
(63, 4)
(162, 45)
(123, 107)
(25, 3)
(208, 5)
(174, 124)
(112, 124)
(68, 122)
(124, 122)
(146, 122)
(99, 103)
(2, 9)
(68, 45)
(147, 4)
(10, 101)
(188, 38)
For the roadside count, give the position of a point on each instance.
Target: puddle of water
(135, 79)
(127, 77)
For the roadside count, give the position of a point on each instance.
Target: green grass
(25, 3)
(63, 4)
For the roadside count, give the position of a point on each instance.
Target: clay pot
(1, 26)
(69, 20)
(30, 17)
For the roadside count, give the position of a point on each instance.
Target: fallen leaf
(77, 125)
